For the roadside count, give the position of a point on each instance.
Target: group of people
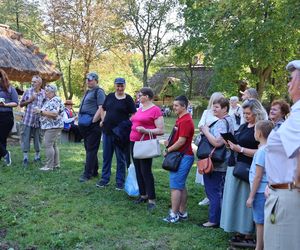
(257, 180)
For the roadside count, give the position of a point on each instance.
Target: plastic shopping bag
(131, 185)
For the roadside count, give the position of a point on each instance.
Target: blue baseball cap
(120, 80)
(92, 76)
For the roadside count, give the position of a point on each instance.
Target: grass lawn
(53, 210)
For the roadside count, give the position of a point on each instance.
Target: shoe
(209, 225)
(25, 163)
(46, 168)
(83, 178)
(171, 218)
(204, 202)
(7, 159)
(119, 187)
(183, 216)
(248, 243)
(37, 160)
(101, 184)
(140, 200)
(151, 207)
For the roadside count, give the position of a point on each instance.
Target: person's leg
(121, 165)
(176, 195)
(56, 135)
(6, 124)
(259, 236)
(183, 202)
(26, 141)
(148, 179)
(92, 142)
(49, 149)
(75, 130)
(108, 151)
(36, 140)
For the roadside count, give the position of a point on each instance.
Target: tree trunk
(263, 76)
(191, 80)
(145, 75)
(70, 75)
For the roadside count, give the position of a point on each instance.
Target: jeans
(109, 147)
(6, 124)
(26, 136)
(214, 185)
(91, 136)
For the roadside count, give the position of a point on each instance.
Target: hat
(120, 80)
(291, 66)
(51, 87)
(69, 102)
(92, 76)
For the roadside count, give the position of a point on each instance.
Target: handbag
(131, 186)
(85, 119)
(172, 161)
(146, 149)
(206, 166)
(241, 171)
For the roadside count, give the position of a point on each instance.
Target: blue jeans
(109, 147)
(214, 185)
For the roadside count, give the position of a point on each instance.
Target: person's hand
(267, 192)
(249, 202)
(101, 124)
(166, 143)
(225, 143)
(142, 130)
(36, 110)
(234, 147)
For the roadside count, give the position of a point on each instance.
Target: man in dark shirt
(91, 104)
(117, 108)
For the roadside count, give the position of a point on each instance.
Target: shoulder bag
(146, 149)
(241, 171)
(206, 166)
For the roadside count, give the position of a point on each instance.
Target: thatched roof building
(20, 59)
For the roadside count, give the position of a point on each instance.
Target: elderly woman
(8, 100)
(235, 216)
(214, 181)
(278, 112)
(147, 119)
(236, 112)
(282, 223)
(52, 123)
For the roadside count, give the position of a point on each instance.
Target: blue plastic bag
(131, 185)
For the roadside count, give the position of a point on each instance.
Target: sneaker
(25, 163)
(151, 207)
(7, 159)
(171, 218)
(183, 216)
(83, 178)
(101, 184)
(46, 168)
(119, 187)
(204, 202)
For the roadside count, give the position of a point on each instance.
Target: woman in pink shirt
(147, 119)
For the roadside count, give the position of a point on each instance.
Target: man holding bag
(88, 121)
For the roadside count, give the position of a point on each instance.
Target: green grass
(53, 210)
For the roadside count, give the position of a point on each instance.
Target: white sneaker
(46, 168)
(204, 202)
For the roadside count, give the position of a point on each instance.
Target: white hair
(213, 98)
(234, 99)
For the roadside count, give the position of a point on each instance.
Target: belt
(289, 186)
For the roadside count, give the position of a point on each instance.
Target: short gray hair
(51, 87)
(234, 99)
(38, 78)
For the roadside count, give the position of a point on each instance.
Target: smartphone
(229, 137)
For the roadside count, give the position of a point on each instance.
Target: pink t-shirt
(146, 119)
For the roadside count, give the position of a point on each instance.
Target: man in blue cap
(118, 107)
(88, 120)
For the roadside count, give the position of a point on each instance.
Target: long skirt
(235, 216)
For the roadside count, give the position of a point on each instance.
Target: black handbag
(205, 148)
(172, 161)
(241, 171)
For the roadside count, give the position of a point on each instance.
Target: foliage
(53, 210)
(245, 39)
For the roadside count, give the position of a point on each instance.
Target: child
(258, 180)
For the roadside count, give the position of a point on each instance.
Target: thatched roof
(20, 59)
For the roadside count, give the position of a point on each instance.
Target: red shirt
(184, 127)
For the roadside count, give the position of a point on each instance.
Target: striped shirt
(31, 119)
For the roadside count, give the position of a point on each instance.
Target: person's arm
(24, 102)
(216, 142)
(177, 145)
(237, 148)
(9, 104)
(203, 119)
(256, 182)
(66, 119)
(49, 114)
(97, 115)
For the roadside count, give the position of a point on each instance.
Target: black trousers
(6, 124)
(144, 176)
(75, 130)
(91, 136)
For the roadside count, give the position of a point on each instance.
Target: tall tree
(251, 39)
(149, 28)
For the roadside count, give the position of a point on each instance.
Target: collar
(296, 105)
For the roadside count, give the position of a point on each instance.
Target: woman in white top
(236, 112)
(282, 221)
(207, 118)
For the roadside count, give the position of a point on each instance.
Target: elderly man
(32, 99)
(282, 221)
(88, 121)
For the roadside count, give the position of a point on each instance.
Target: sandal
(250, 243)
(237, 238)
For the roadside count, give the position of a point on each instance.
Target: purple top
(10, 96)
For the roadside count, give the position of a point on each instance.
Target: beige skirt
(282, 220)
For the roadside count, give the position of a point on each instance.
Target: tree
(149, 28)
(251, 39)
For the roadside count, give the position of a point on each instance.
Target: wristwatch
(41, 112)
